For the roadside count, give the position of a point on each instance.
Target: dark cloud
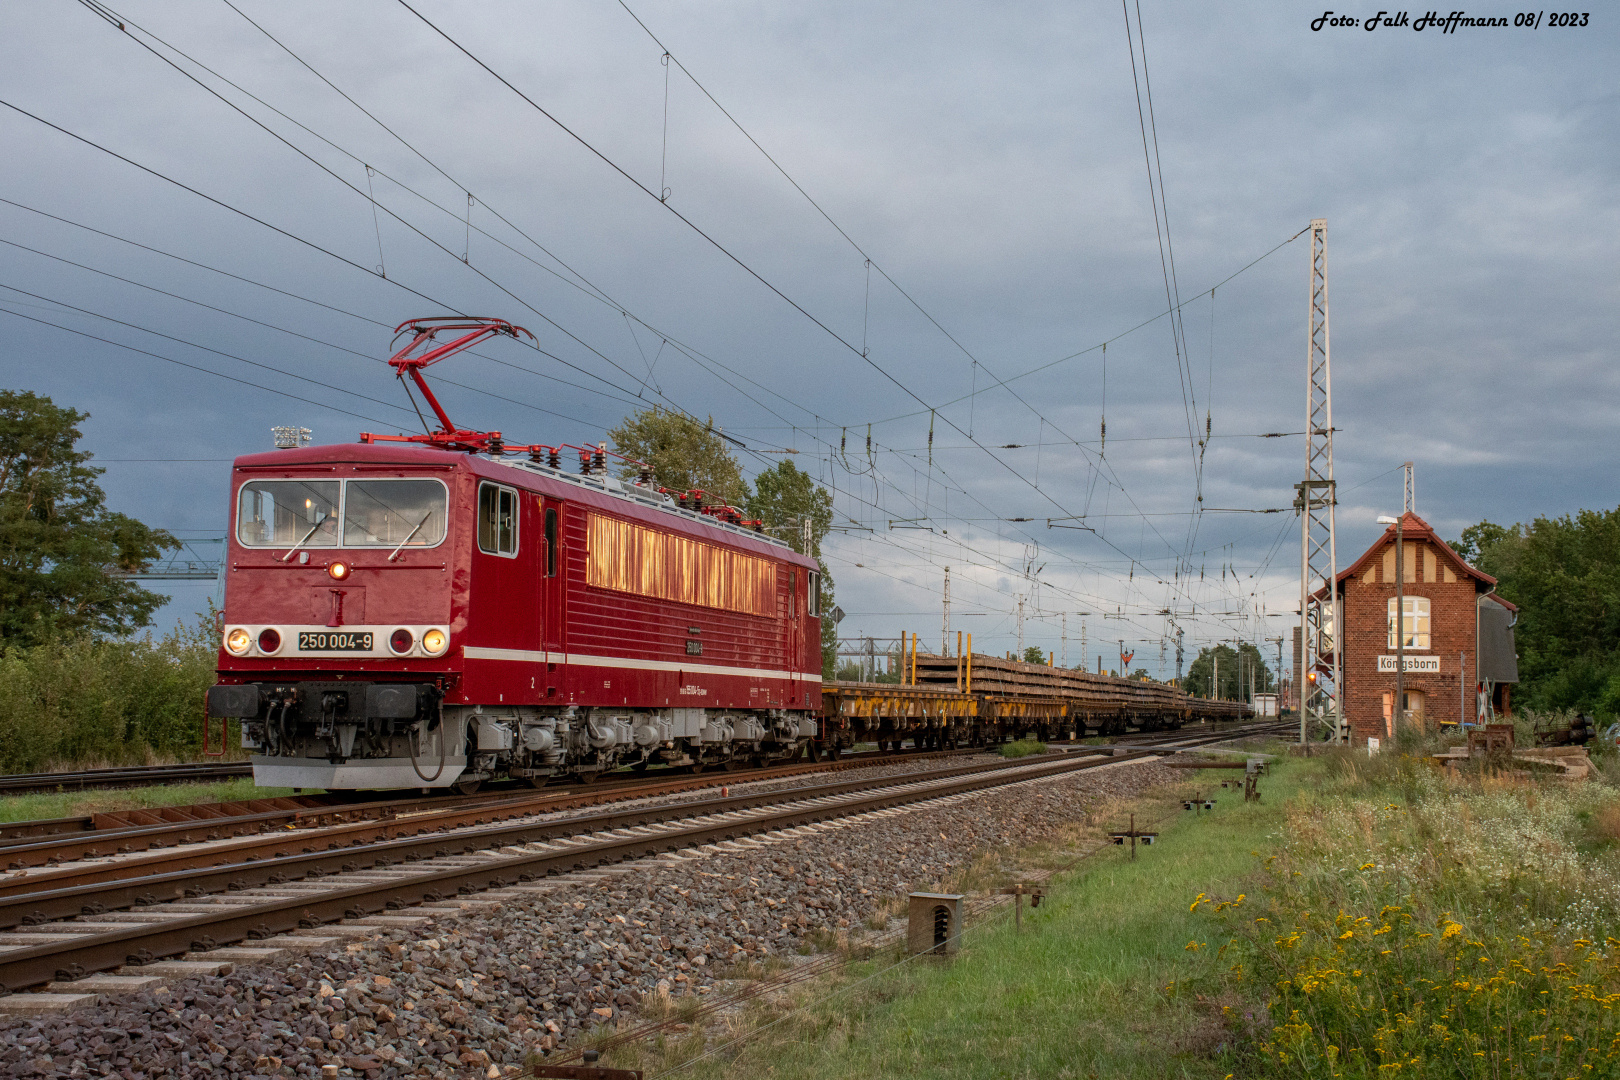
(990, 161)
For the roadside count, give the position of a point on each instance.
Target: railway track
(56, 840)
(142, 776)
(49, 842)
(130, 776)
(184, 847)
(153, 907)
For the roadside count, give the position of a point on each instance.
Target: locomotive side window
(394, 513)
(632, 558)
(497, 520)
(285, 513)
(813, 600)
(551, 541)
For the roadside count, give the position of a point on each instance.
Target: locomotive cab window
(813, 598)
(551, 541)
(288, 513)
(394, 513)
(497, 520)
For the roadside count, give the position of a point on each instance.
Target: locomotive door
(552, 600)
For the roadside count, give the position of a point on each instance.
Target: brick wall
(1428, 573)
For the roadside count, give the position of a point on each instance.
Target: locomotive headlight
(238, 640)
(434, 641)
(338, 570)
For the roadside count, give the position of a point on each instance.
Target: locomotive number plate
(314, 641)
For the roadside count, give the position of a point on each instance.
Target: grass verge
(1079, 992)
(61, 804)
(1431, 925)
(1022, 748)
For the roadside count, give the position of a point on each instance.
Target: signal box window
(497, 520)
(394, 513)
(1415, 624)
(288, 513)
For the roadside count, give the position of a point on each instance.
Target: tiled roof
(1415, 528)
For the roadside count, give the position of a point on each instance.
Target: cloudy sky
(959, 192)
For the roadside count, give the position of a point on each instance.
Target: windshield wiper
(300, 543)
(410, 534)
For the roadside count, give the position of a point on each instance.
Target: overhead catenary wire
(352, 101)
(290, 295)
(1121, 552)
(194, 367)
(728, 253)
(123, 25)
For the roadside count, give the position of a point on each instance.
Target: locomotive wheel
(640, 766)
(467, 787)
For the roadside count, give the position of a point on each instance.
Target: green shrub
(1022, 748)
(82, 702)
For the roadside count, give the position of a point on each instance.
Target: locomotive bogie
(338, 735)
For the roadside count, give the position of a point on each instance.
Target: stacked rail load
(975, 700)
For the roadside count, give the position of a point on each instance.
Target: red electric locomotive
(443, 613)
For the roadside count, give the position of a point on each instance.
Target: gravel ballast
(479, 989)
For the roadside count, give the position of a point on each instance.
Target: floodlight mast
(423, 333)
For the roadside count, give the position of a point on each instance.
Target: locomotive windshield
(375, 513)
(281, 513)
(393, 513)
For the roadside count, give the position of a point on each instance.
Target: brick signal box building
(1459, 636)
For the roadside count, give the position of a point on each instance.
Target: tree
(1564, 575)
(60, 547)
(1034, 654)
(683, 454)
(1235, 668)
(1476, 538)
(784, 497)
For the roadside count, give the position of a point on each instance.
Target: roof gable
(1414, 528)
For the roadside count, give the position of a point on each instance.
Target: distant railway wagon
(972, 700)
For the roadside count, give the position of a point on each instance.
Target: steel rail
(132, 776)
(30, 966)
